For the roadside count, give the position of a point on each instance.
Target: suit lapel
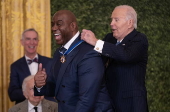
(24, 66)
(46, 107)
(63, 67)
(55, 64)
(129, 37)
(24, 107)
(41, 59)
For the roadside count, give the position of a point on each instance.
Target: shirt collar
(130, 35)
(120, 40)
(31, 106)
(36, 56)
(68, 44)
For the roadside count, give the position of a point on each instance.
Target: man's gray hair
(131, 14)
(30, 29)
(24, 84)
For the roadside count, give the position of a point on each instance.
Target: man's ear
(21, 41)
(25, 95)
(130, 23)
(73, 26)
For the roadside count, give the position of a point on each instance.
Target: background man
(33, 103)
(26, 65)
(125, 51)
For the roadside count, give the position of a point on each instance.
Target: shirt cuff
(38, 89)
(99, 46)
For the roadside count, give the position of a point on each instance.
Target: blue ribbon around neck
(71, 48)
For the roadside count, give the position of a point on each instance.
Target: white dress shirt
(31, 107)
(99, 46)
(68, 44)
(33, 67)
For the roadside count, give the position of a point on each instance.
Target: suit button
(63, 86)
(63, 101)
(107, 55)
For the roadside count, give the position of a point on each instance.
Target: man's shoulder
(44, 57)
(86, 51)
(19, 106)
(15, 108)
(140, 36)
(109, 37)
(49, 103)
(86, 47)
(18, 61)
(109, 34)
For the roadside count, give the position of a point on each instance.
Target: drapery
(15, 17)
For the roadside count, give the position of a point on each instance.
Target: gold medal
(63, 59)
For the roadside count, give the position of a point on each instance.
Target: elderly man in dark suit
(76, 76)
(25, 66)
(125, 51)
(33, 103)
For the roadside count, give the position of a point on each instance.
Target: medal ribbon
(71, 48)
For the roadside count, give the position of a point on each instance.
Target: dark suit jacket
(79, 86)
(47, 106)
(19, 71)
(125, 74)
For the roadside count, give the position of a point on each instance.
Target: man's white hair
(131, 14)
(30, 29)
(25, 82)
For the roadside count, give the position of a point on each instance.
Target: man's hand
(40, 77)
(89, 37)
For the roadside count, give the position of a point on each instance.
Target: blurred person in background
(33, 103)
(26, 65)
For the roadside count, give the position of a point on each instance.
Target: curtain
(15, 17)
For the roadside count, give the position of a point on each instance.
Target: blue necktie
(62, 50)
(118, 42)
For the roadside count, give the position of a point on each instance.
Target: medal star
(62, 59)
